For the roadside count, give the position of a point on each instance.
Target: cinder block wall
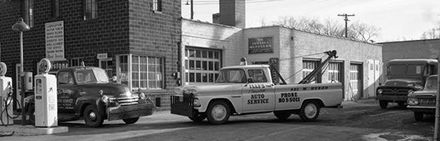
(347, 51)
(417, 49)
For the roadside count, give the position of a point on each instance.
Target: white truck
(247, 89)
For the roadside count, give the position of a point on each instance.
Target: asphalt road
(356, 121)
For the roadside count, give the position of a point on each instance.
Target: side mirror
(250, 80)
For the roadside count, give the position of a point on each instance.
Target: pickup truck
(423, 102)
(404, 76)
(87, 92)
(247, 89)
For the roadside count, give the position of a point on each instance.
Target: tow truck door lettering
(258, 96)
(288, 97)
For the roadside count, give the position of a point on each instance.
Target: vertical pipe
(437, 108)
(192, 9)
(22, 80)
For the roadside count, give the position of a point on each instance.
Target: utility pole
(346, 20)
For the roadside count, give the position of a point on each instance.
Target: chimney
(233, 13)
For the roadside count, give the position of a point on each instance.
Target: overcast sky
(397, 19)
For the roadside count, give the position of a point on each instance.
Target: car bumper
(183, 105)
(423, 109)
(393, 98)
(144, 108)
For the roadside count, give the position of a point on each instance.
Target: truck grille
(394, 91)
(123, 101)
(426, 100)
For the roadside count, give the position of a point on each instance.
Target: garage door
(355, 85)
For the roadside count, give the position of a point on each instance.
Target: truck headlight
(197, 102)
(413, 101)
(105, 98)
(189, 91)
(379, 91)
(142, 96)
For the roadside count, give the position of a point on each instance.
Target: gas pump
(46, 108)
(6, 97)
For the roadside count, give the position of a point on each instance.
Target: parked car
(87, 92)
(423, 102)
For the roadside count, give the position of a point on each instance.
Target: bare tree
(434, 33)
(357, 31)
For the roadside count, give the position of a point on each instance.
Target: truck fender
(82, 104)
(317, 99)
(230, 104)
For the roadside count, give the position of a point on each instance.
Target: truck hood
(425, 93)
(413, 83)
(219, 88)
(112, 89)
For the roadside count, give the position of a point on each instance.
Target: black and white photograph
(219, 70)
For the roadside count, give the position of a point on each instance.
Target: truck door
(66, 91)
(258, 93)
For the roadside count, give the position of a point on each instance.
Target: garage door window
(202, 65)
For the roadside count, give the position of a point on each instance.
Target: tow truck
(249, 89)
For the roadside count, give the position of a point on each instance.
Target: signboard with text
(260, 45)
(55, 40)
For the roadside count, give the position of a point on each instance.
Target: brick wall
(158, 34)
(82, 38)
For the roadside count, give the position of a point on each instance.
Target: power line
(346, 20)
(228, 2)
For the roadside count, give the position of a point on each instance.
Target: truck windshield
(231, 76)
(403, 69)
(431, 83)
(91, 76)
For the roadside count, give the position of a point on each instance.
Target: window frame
(92, 12)
(131, 72)
(157, 6)
(209, 65)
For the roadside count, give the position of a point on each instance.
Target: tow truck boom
(324, 64)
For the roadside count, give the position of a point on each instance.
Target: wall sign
(260, 45)
(55, 41)
(101, 56)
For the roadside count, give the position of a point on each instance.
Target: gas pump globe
(46, 108)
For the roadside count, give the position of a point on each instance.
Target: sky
(397, 19)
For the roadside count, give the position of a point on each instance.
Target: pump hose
(7, 102)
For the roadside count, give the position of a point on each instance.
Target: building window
(157, 5)
(29, 12)
(107, 65)
(55, 8)
(308, 67)
(76, 61)
(202, 65)
(146, 72)
(90, 9)
(334, 72)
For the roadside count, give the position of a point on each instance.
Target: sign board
(55, 40)
(260, 45)
(101, 56)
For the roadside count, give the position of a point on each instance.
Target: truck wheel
(383, 104)
(92, 117)
(418, 116)
(218, 112)
(198, 118)
(283, 116)
(130, 120)
(309, 111)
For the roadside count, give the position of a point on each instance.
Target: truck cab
(404, 76)
(87, 92)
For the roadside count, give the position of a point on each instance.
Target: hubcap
(218, 112)
(310, 110)
(92, 116)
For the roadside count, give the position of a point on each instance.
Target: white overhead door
(355, 85)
